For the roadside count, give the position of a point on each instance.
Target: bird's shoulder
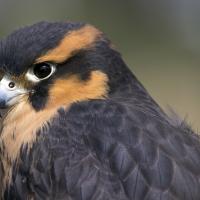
(142, 148)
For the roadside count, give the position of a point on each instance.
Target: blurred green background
(159, 40)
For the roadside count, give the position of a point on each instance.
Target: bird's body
(88, 130)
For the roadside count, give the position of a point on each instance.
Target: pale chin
(14, 101)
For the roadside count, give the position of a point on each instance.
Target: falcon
(80, 126)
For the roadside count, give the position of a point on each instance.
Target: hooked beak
(9, 92)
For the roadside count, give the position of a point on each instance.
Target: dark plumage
(90, 131)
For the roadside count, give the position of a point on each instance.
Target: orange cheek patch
(66, 91)
(72, 42)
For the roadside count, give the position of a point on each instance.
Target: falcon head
(55, 64)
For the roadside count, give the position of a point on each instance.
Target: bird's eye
(43, 70)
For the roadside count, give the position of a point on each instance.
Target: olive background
(159, 40)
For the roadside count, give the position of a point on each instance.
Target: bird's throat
(20, 128)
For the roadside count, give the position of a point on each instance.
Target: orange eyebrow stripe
(73, 41)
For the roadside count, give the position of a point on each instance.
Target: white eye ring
(31, 74)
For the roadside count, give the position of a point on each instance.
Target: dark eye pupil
(42, 70)
(11, 84)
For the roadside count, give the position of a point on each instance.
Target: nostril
(11, 85)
